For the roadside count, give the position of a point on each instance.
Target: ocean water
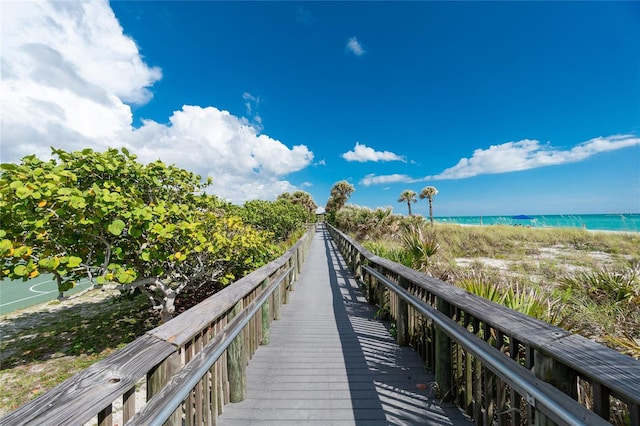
(627, 222)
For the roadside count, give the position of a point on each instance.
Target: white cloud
(67, 71)
(354, 46)
(363, 153)
(252, 103)
(243, 163)
(530, 154)
(372, 179)
(68, 75)
(514, 156)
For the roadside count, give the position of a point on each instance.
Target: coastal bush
(106, 217)
(281, 217)
(366, 224)
(419, 245)
(586, 282)
(608, 286)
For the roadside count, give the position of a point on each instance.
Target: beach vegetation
(586, 282)
(154, 228)
(304, 200)
(340, 193)
(429, 192)
(408, 196)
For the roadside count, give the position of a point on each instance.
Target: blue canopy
(522, 217)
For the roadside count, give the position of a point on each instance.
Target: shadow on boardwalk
(331, 363)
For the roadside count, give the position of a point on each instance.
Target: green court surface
(16, 295)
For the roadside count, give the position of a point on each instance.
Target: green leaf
(20, 270)
(116, 227)
(124, 278)
(78, 203)
(23, 192)
(8, 166)
(5, 245)
(50, 263)
(74, 262)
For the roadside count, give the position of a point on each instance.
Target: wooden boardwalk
(331, 363)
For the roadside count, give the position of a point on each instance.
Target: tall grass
(586, 282)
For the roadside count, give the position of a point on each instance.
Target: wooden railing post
(286, 284)
(159, 376)
(277, 297)
(381, 294)
(444, 362)
(560, 376)
(236, 363)
(357, 267)
(266, 317)
(402, 317)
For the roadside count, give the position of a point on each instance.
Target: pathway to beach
(330, 362)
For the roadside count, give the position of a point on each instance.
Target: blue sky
(505, 107)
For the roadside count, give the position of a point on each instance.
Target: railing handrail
(538, 335)
(92, 391)
(157, 410)
(555, 404)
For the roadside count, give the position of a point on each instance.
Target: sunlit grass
(41, 349)
(586, 282)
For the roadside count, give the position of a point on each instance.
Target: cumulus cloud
(252, 103)
(67, 71)
(354, 46)
(69, 75)
(211, 142)
(372, 179)
(530, 154)
(363, 153)
(515, 156)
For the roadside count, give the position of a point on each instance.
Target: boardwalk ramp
(331, 362)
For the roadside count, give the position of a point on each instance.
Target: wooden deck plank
(331, 363)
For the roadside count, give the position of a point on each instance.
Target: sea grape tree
(281, 217)
(109, 218)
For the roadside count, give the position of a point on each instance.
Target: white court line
(27, 298)
(40, 293)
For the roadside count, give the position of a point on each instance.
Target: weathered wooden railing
(190, 366)
(500, 366)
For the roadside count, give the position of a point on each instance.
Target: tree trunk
(431, 212)
(168, 306)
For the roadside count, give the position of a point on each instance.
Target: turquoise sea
(626, 222)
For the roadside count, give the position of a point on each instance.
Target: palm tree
(408, 196)
(303, 199)
(429, 192)
(340, 193)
